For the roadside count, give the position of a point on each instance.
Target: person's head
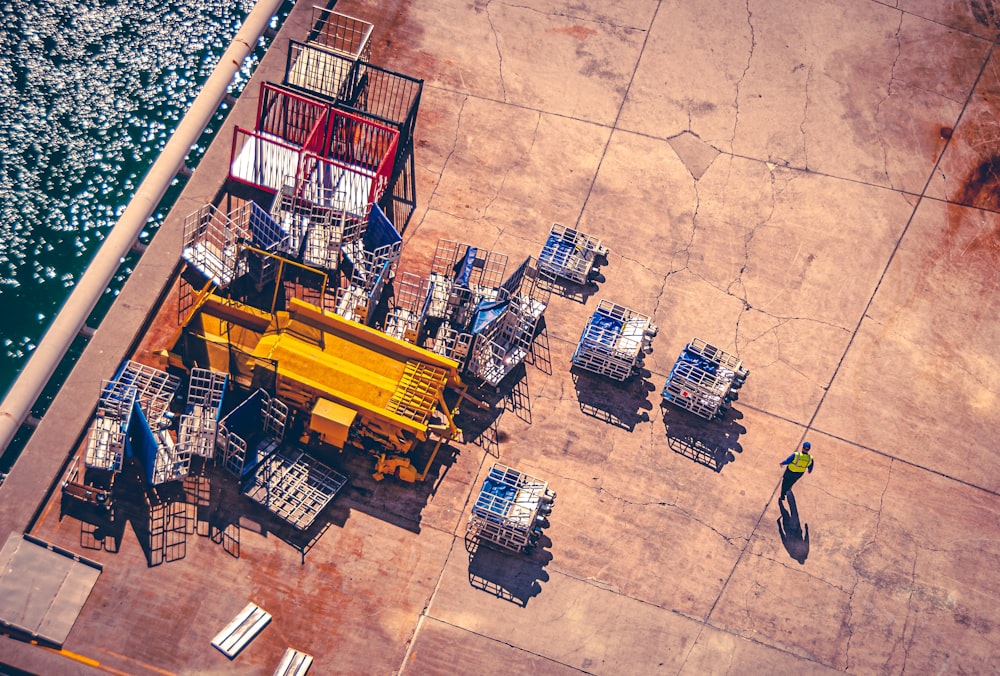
(806, 446)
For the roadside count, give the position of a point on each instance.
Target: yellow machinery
(357, 385)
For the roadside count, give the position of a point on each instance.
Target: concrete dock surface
(812, 186)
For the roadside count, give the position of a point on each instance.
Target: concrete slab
(928, 347)
(893, 580)
(570, 621)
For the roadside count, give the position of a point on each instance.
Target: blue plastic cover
(465, 267)
(143, 442)
(380, 232)
(698, 360)
(603, 329)
(245, 419)
(556, 247)
(265, 230)
(486, 313)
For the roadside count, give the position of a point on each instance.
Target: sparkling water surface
(90, 92)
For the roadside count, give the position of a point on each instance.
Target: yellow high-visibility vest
(800, 463)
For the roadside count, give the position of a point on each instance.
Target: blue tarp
(266, 232)
(486, 313)
(245, 419)
(556, 248)
(464, 272)
(380, 232)
(698, 360)
(143, 442)
(603, 329)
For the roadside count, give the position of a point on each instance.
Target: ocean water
(90, 92)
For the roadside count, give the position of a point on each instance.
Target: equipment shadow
(713, 444)
(622, 404)
(515, 578)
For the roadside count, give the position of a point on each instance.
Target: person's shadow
(793, 535)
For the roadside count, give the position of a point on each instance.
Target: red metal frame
(318, 130)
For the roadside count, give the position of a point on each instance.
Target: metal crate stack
(504, 330)
(704, 380)
(570, 254)
(511, 509)
(108, 435)
(198, 426)
(462, 278)
(614, 341)
(405, 319)
(151, 440)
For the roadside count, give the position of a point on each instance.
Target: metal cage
(570, 254)
(614, 341)
(704, 380)
(510, 510)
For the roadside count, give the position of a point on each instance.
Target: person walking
(797, 464)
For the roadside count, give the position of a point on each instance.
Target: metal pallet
(294, 486)
(704, 380)
(570, 254)
(510, 509)
(614, 341)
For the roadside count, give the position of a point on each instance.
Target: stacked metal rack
(408, 313)
(337, 41)
(339, 70)
(371, 262)
(462, 278)
(511, 510)
(108, 436)
(704, 380)
(614, 341)
(198, 426)
(505, 328)
(151, 440)
(251, 432)
(571, 254)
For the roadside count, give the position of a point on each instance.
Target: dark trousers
(788, 479)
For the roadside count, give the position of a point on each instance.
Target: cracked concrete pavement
(813, 186)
